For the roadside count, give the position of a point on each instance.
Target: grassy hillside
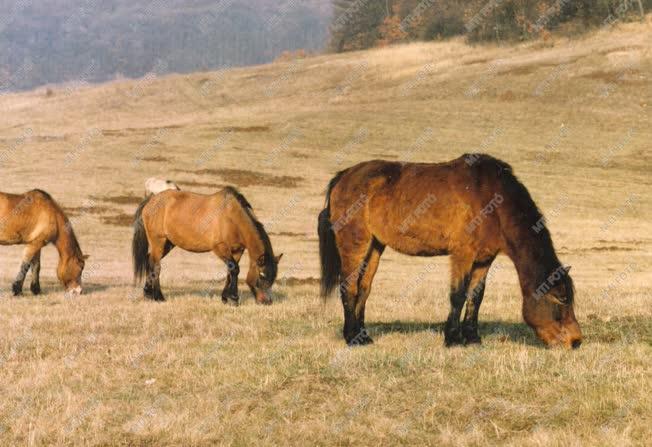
(79, 40)
(573, 119)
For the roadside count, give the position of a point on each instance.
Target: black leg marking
(230, 292)
(470, 325)
(17, 286)
(452, 332)
(35, 285)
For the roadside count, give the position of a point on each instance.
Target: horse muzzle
(263, 297)
(75, 291)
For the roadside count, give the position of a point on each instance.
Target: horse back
(419, 209)
(189, 220)
(27, 217)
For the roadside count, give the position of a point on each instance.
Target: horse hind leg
(35, 285)
(476, 289)
(25, 264)
(152, 288)
(460, 278)
(358, 269)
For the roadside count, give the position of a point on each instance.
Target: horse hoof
(453, 340)
(17, 290)
(154, 297)
(35, 289)
(231, 300)
(471, 336)
(474, 340)
(360, 339)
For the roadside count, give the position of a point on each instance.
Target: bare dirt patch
(155, 159)
(507, 96)
(287, 233)
(245, 129)
(73, 211)
(120, 200)
(292, 281)
(623, 77)
(244, 178)
(298, 155)
(120, 220)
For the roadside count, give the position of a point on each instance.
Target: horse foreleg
(35, 285)
(476, 289)
(25, 264)
(231, 259)
(460, 278)
(230, 291)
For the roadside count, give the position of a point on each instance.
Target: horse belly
(190, 240)
(411, 237)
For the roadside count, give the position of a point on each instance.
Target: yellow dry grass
(111, 369)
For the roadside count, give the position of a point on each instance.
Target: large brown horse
(223, 223)
(471, 208)
(35, 219)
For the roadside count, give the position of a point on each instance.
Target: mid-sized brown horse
(222, 223)
(36, 220)
(471, 208)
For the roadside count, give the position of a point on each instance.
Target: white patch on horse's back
(155, 185)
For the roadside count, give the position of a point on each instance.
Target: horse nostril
(576, 343)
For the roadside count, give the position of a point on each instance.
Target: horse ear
(278, 258)
(567, 268)
(85, 257)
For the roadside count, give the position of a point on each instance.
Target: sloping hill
(571, 117)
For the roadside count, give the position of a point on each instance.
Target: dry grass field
(108, 368)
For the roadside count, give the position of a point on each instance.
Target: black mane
(270, 262)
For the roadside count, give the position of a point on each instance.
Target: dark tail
(331, 265)
(139, 244)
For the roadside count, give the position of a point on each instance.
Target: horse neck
(66, 243)
(533, 254)
(253, 240)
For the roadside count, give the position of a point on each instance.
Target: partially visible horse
(223, 223)
(471, 208)
(155, 185)
(35, 219)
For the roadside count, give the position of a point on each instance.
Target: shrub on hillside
(359, 24)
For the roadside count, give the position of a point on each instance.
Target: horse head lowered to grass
(471, 208)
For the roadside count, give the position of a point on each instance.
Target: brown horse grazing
(223, 223)
(35, 219)
(471, 208)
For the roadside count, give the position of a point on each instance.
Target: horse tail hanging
(139, 244)
(331, 264)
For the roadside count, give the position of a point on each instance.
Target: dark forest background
(93, 41)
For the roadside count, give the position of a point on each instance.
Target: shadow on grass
(619, 330)
(213, 290)
(51, 289)
(95, 287)
(501, 330)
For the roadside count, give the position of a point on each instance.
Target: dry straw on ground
(111, 369)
